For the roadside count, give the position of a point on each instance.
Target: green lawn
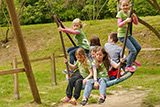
(42, 39)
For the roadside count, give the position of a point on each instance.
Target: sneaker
(65, 71)
(101, 99)
(73, 101)
(84, 101)
(65, 100)
(136, 63)
(130, 68)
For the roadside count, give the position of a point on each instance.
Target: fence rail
(150, 49)
(12, 71)
(52, 57)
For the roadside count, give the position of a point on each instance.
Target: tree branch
(21, 9)
(156, 5)
(101, 9)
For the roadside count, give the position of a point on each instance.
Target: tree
(156, 6)
(154, 3)
(9, 26)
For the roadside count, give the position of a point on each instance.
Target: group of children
(94, 65)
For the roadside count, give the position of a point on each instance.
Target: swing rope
(125, 38)
(58, 20)
(62, 42)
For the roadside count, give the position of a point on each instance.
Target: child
(133, 46)
(93, 52)
(100, 70)
(84, 66)
(78, 36)
(115, 53)
(94, 41)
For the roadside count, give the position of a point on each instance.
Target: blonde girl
(133, 46)
(79, 37)
(85, 72)
(100, 69)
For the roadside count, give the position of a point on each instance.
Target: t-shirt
(122, 30)
(81, 39)
(83, 71)
(114, 51)
(101, 73)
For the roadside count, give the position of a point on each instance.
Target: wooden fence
(52, 57)
(16, 70)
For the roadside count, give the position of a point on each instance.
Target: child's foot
(101, 99)
(130, 68)
(65, 100)
(136, 63)
(122, 72)
(84, 101)
(73, 101)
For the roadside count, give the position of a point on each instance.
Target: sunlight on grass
(42, 39)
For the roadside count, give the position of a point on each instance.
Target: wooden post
(15, 80)
(23, 50)
(0, 4)
(53, 69)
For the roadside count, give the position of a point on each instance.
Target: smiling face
(124, 5)
(93, 54)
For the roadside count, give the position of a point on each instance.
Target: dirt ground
(123, 98)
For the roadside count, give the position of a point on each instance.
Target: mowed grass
(42, 39)
(146, 77)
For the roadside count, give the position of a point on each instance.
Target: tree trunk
(21, 10)
(9, 25)
(0, 4)
(154, 4)
(8, 20)
(94, 9)
(101, 8)
(150, 27)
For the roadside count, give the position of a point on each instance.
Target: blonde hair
(120, 1)
(81, 52)
(77, 21)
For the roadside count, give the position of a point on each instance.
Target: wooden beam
(12, 71)
(35, 60)
(23, 50)
(15, 80)
(150, 49)
(53, 69)
(0, 4)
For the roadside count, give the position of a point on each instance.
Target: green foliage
(38, 11)
(143, 8)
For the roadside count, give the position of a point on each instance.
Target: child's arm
(96, 84)
(135, 19)
(66, 30)
(70, 65)
(89, 76)
(117, 65)
(122, 23)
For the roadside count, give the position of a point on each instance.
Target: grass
(42, 39)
